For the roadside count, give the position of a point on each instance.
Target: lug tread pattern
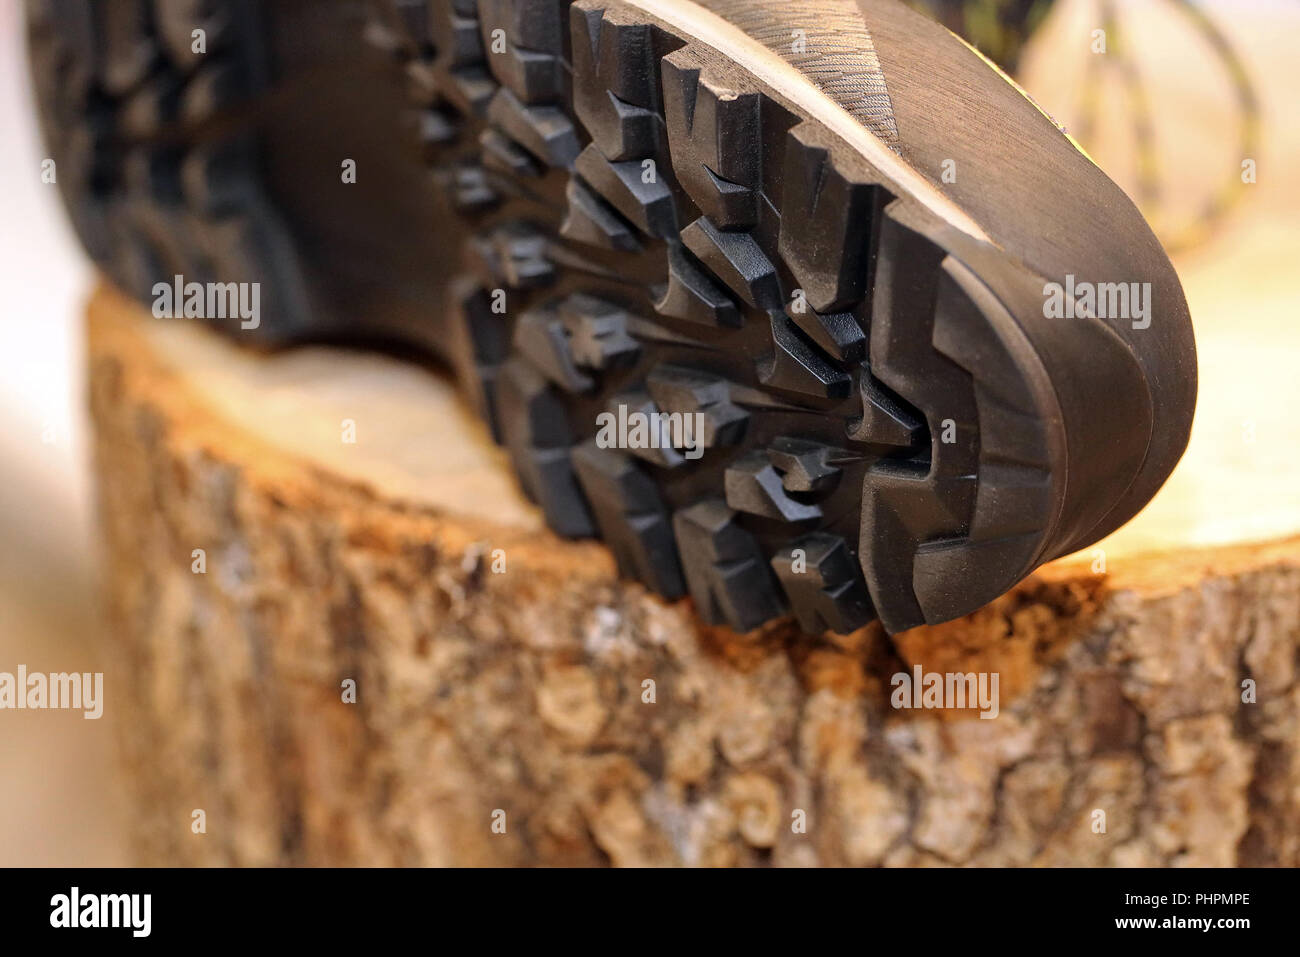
(672, 239)
(792, 290)
(113, 79)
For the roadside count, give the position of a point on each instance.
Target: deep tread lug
(598, 335)
(796, 365)
(754, 486)
(545, 131)
(536, 433)
(837, 334)
(884, 420)
(691, 295)
(506, 156)
(659, 453)
(617, 93)
(804, 465)
(828, 595)
(714, 132)
(632, 518)
(590, 220)
(677, 389)
(728, 579)
(649, 206)
(540, 335)
(517, 256)
(737, 260)
(826, 224)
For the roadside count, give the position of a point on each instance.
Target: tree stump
(372, 652)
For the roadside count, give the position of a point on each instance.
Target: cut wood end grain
(525, 692)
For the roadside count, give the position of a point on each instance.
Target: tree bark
(516, 703)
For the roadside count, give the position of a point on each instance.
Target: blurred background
(1180, 94)
(60, 803)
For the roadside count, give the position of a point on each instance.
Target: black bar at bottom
(462, 908)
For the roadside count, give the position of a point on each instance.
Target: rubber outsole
(136, 100)
(647, 225)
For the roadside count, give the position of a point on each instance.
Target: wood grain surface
(523, 692)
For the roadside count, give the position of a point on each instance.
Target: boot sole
(656, 214)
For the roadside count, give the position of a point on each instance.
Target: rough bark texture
(522, 692)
